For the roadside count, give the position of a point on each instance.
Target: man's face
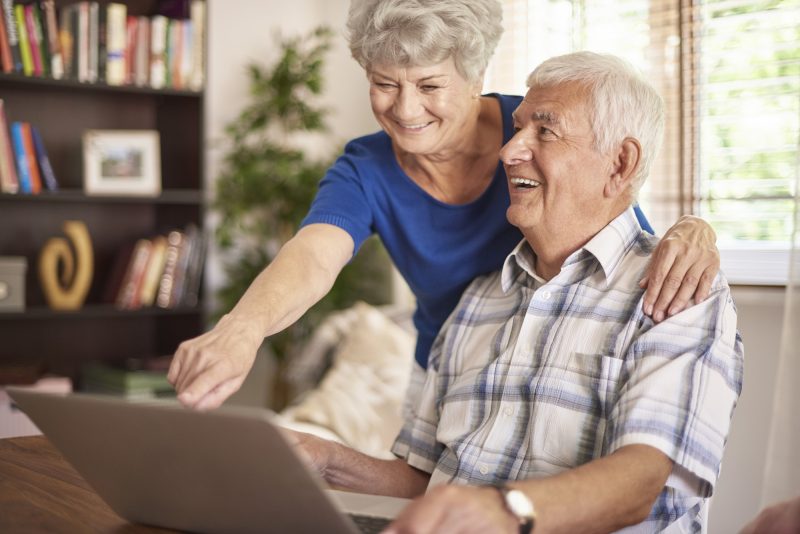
(555, 176)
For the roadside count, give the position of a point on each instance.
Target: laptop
(226, 470)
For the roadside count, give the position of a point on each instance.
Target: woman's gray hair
(425, 32)
(621, 102)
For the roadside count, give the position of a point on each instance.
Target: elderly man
(551, 400)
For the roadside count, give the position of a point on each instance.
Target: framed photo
(121, 162)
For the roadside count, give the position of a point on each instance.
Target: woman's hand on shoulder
(682, 268)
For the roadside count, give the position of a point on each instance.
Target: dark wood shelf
(170, 196)
(99, 87)
(96, 311)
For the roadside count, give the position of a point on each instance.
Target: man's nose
(516, 151)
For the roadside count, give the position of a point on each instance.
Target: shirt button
(508, 410)
(484, 470)
(546, 295)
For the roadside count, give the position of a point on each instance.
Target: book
(40, 27)
(11, 33)
(198, 18)
(33, 40)
(174, 243)
(158, 50)
(116, 275)
(46, 170)
(141, 70)
(23, 169)
(30, 154)
(102, 42)
(93, 42)
(194, 273)
(190, 237)
(116, 17)
(53, 42)
(8, 172)
(153, 271)
(131, 24)
(66, 37)
(24, 44)
(82, 37)
(6, 62)
(128, 297)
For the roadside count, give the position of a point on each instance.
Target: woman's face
(425, 110)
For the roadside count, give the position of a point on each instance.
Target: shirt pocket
(574, 408)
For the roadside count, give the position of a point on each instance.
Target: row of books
(24, 165)
(93, 42)
(162, 271)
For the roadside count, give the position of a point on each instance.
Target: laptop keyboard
(369, 524)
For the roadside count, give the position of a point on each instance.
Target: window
(729, 72)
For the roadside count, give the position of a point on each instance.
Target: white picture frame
(122, 163)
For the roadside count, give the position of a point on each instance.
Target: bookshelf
(60, 342)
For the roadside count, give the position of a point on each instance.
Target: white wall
(243, 30)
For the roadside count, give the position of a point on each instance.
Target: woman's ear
(625, 166)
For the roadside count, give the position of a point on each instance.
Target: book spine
(8, 174)
(33, 40)
(102, 42)
(40, 29)
(128, 298)
(17, 140)
(48, 175)
(53, 41)
(158, 46)
(5, 49)
(12, 34)
(142, 68)
(24, 45)
(174, 244)
(83, 41)
(116, 16)
(198, 17)
(130, 48)
(30, 153)
(94, 41)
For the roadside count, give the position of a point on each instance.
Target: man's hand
(206, 370)
(684, 265)
(455, 509)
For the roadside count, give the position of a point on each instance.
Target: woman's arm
(683, 266)
(209, 368)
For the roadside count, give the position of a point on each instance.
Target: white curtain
(782, 474)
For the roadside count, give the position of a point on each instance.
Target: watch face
(519, 503)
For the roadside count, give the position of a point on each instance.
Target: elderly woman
(429, 184)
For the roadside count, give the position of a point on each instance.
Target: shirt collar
(608, 247)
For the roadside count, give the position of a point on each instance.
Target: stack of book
(162, 271)
(101, 42)
(24, 165)
(128, 381)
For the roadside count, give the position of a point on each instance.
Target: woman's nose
(407, 105)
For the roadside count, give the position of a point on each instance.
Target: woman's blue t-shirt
(438, 248)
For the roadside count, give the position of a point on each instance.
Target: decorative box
(12, 283)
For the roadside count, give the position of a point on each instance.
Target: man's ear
(625, 165)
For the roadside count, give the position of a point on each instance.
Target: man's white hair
(621, 102)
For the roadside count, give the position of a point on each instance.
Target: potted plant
(267, 184)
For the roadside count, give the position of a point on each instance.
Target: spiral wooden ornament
(75, 264)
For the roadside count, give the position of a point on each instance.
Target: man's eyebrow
(547, 117)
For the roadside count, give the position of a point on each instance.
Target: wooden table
(41, 492)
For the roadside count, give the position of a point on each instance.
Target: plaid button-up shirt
(530, 377)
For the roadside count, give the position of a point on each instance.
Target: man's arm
(208, 368)
(346, 468)
(604, 495)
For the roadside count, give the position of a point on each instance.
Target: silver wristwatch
(520, 507)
